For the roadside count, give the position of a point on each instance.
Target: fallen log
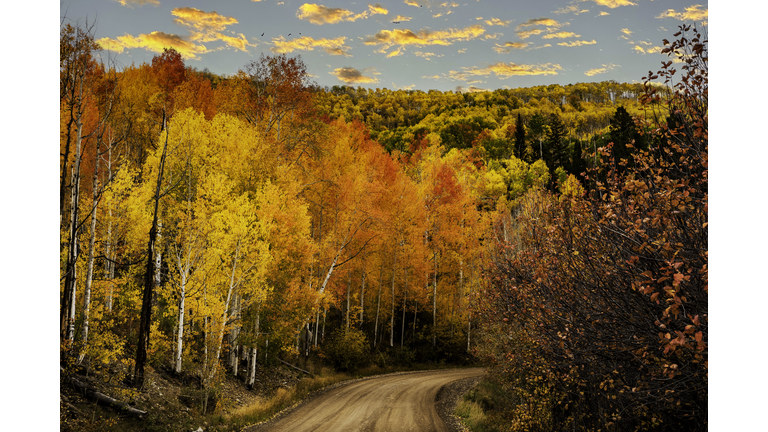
(102, 398)
(298, 369)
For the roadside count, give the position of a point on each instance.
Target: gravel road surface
(395, 402)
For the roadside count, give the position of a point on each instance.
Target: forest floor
(174, 402)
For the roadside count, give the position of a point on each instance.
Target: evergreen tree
(538, 125)
(578, 165)
(622, 132)
(519, 137)
(556, 154)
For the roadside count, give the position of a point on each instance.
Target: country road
(395, 402)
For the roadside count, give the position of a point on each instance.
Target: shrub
(347, 349)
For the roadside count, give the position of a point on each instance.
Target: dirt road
(396, 402)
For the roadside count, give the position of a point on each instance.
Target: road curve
(395, 402)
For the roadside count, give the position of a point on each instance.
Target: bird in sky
(263, 34)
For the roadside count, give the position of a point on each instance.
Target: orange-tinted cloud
(389, 38)
(132, 3)
(506, 70)
(613, 3)
(692, 13)
(470, 89)
(201, 21)
(401, 18)
(577, 43)
(377, 9)
(651, 50)
(353, 76)
(319, 14)
(602, 70)
(154, 42)
(306, 43)
(208, 27)
(498, 22)
(603, 13)
(627, 32)
(570, 9)
(560, 35)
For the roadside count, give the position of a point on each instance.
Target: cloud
(602, 70)
(470, 89)
(560, 35)
(613, 3)
(319, 14)
(603, 13)
(131, 3)
(493, 36)
(651, 50)
(207, 27)
(434, 77)
(389, 38)
(377, 9)
(505, 70)
(395, 53)
(353, 76)
(570, 9)
(498, 22)
(201, 21)
(307, 43)
(527, 33)
(154, 42)
(508, 46)
(416, 3)
(692, 13)
(550, 24)
(462, 51)
(437, 15)
(577, 43)
(401, 18)
(427, 55)
(408, 87)
(627, 32)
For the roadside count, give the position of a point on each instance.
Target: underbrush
(480, 410)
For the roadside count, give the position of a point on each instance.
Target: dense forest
(211, 224)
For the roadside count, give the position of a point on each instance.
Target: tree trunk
(149, 273)
(434, 304)
(362, 297)
(378, 305)
(92, 242)
(405, 298)
(254, 352)
(349, 285)
(392, 315)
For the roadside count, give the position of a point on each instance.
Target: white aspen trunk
(224, 317)
(434, 304)
(317, 326)
(159, 256)
(392, 315)
(362, 298)
(73, 244)
(325, 314)
(109, 268)
(469, 307)
(91, 244)
(254, 353)
(180, 332)
(405, 298)
(378, 306)
(349, 285)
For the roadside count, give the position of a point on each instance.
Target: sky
(473, 45)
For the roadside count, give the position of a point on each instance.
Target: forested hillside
(212, 225)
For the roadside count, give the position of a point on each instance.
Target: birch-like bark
(434, 304)
(254, 353)
(362, 297)
(349, 285)
(378, 305)
(92, 242)
(392, 315)
(405, 298)
(70, 279)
